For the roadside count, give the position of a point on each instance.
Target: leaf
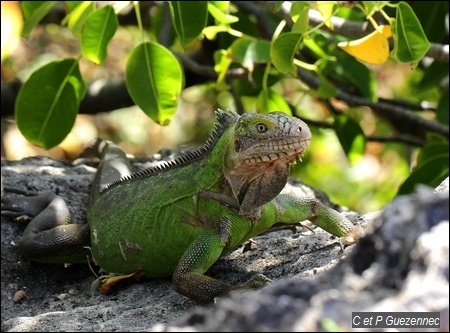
(100, 27)
(432, 165)
(372, 49)
(211, 31)
(347, 68)
(410, 42)
(433, 75)
(34, 12)
(283, 50)
(189, 19)
(325, 89)
(432, 17)
(12, 23)
(351, 137)
(154, 80)
(299, 14)
(248, 52)
(222, 62)
(442, 109)
(219, 15)
(268, 101)
(48, 101)
(326, 9)
(78, 16)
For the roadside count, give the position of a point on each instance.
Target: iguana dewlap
(178, 219)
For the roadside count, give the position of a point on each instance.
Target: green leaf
(432, 166)
(34, 12)
(434, 74)
(431, 173)
(442, 109)
(222, 62)
(211, 31)
(248, 52)
(78, 16)
(100, 27)
(154, 80)
(319, 44)
(283, 50)
(432, 16)
(268, 101)
(347, 68)
(325, 89)
(351, 137)
(189, 19)
(299, 14)
(410, 42)
(219, 14)
(48, 101)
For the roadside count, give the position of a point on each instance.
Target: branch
(392, 112)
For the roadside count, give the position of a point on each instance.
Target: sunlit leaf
(12, 23)
(219, 15)
(326, 9)
(372, 49)
(268, 101)
(249, 52)
(78, 16)
(211, 31)
(154, 80)
(48, 102)
(34, 12)
(100, 27)
(222, 61)
(283, 50)
(189, 19)
(410, 42)
(299, 14)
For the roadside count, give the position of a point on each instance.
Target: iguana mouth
(289, 150)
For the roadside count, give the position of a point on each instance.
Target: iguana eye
(261, 127)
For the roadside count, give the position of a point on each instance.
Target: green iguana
(178, 219)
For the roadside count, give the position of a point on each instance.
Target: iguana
(179, 218)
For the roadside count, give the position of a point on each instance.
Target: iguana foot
(256, 282)
(108, 281)
(351, 236)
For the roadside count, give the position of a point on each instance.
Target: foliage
(255, 56)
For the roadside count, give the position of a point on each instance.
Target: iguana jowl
(180, 218)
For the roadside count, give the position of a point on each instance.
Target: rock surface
(316, 285)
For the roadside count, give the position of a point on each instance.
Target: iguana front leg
(49, 237)
(189, 279)
(294, 209)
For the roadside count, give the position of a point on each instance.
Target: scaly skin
(179, 219)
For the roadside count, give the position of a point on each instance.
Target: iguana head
(257, 164)
(263, 139)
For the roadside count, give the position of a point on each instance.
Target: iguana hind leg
(113, 165)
